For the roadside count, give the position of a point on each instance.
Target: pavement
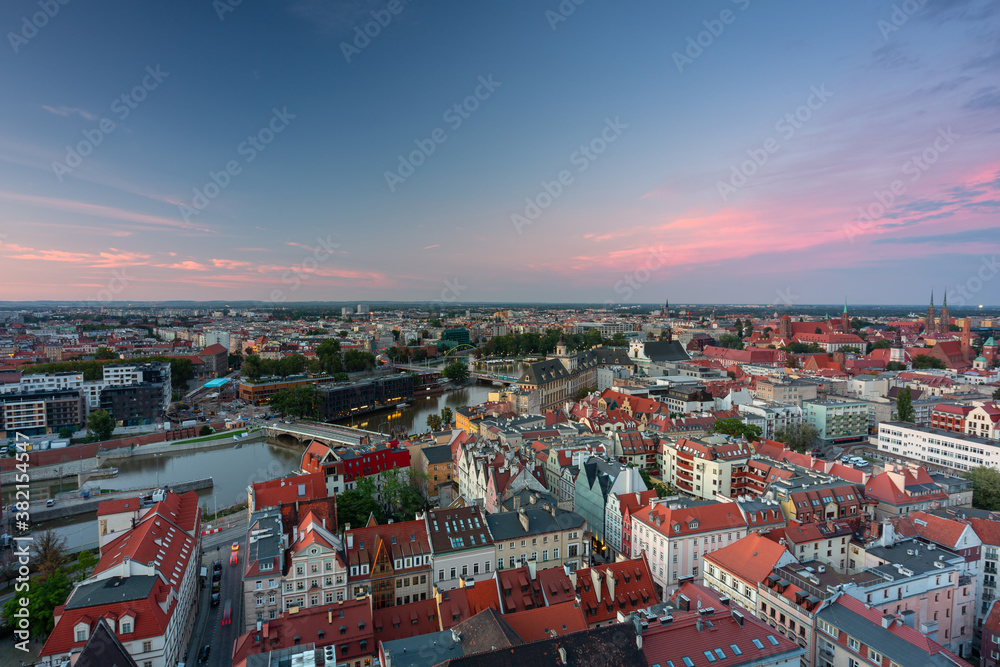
(208, 628)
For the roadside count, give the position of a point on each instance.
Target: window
(555, 554)
(258, 585)
(126, 627)
(147, 647)
(854, 644)
(440, 575)
(81, 635)
(452, 573)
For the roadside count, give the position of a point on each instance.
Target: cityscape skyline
(523, 154)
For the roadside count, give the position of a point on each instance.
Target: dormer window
(126, 626)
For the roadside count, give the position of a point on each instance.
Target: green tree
(799, 437)
(355, 506)
(104, 354)
(434, 422)
(358, 360)
(904, 405)
(850, 349)
(302, 402)
(45, 594)
(996, 395)
(922, 361)
(66, 432)
(881, 344)
(584, 392)
(446, 415)
(895, 366)
(818, 330)
(206, 430)
(434, 322)
(100, 426)
(734, 427)
(235, 361)
(985, 487)
(619, 340)
(730, 341)
(457, 371)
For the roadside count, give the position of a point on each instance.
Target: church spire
(932, 298)
(945, 299)
(845, 304)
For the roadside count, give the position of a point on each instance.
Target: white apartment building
(772, 417)
(674, 535)
(937, 446)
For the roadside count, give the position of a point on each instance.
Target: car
(216, 575)
(236, 546)
(203, 655)
(234, 559)
(217, 565)
(50, 502)
(215, 599)
(227, 613)
(216, 586)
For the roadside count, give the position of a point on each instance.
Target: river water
(234, 467)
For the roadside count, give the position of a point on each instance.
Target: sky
(726, 151)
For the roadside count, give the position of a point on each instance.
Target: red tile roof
(407, 620)
(118, 505)
(539, 623)
(289, 489)
(750, 558)
(690, 520)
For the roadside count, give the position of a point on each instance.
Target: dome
(982, 359)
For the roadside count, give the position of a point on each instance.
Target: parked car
(216, 586)
(50, 502)
(216, 575)
(217, 565)
(215, 599)
(203, 655)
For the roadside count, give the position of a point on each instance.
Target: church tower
(845, 322)
(945, 327)
(967, 339)
(929, 326)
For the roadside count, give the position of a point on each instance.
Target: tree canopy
(457, 371)
(734, 427)
(301, 401)
(904, 405)
(985, 487)
(799, 437)
(100, 426)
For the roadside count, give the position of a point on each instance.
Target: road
(208, 628)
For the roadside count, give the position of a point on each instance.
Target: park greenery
(329, 360)
(798, 437)
(54, 574)
(985, 487)
(734, 427)
(300, 402)
(100, 426)
(393, 494)
(457, 371)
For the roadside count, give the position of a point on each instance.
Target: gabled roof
(750, 558)
(541, 622)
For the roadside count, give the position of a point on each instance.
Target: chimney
(553, 511)
(350, 538)
(562, 656)
(531, 564)
(329, 616)
(456, 636)
(611, 583)
(595, 579)
(572, 579)
(699, 625)
(887, 620)
(523, 518)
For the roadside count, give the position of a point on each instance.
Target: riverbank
(76, 505)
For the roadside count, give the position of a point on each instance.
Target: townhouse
(707, 467)
(317, 573)
(391, 561)
(737, 569)
(544, 534)
(672, 532)
(461, 545)
(263, 568)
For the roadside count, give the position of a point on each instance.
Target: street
(208, 628)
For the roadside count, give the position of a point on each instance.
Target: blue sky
(841, 104)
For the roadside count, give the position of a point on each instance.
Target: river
(234, 467)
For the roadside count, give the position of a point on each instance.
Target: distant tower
(967, 339)
(929, 326)
(785, 327)
(845, 323)
(666, 308)
(945, 327)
